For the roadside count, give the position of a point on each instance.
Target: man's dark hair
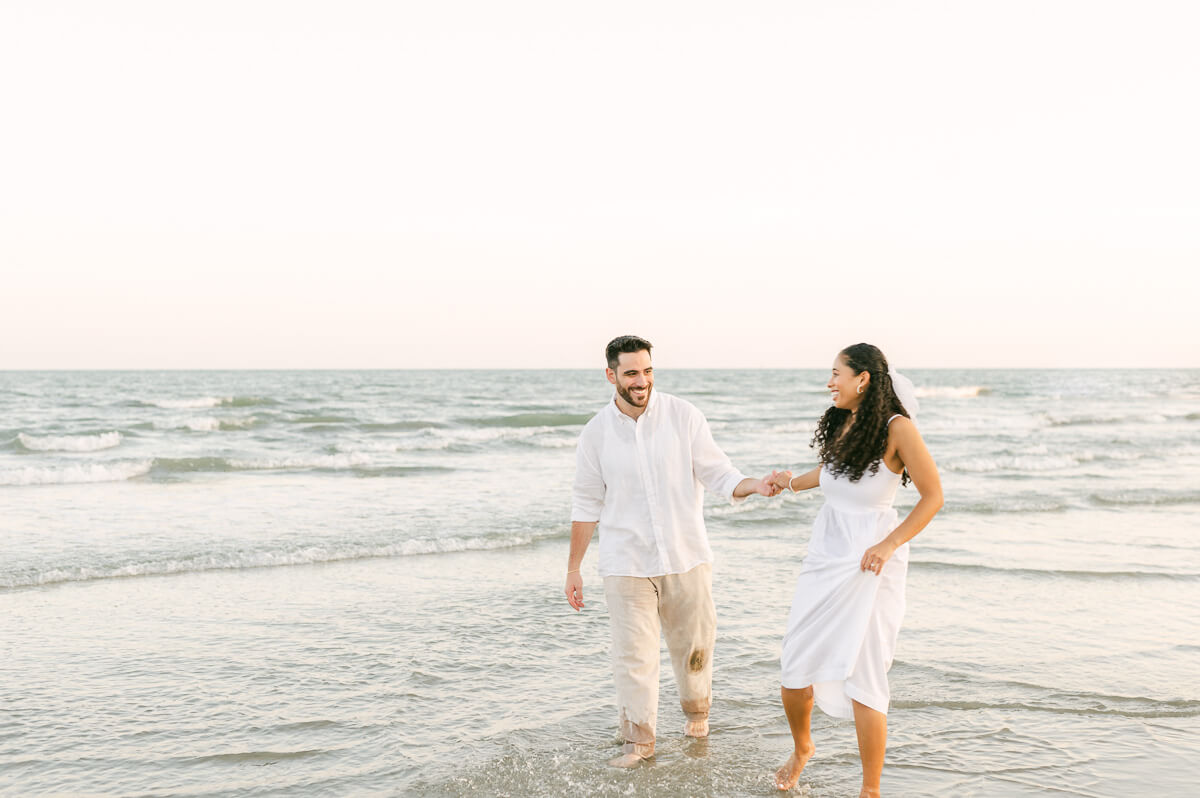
(624, 343)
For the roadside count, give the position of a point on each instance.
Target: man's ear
(612, 376)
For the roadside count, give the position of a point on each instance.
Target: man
(642, 465)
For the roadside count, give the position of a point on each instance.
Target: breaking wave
(70, 443)
(266, 558)
(76, 473)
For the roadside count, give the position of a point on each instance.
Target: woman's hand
(874, 558)
(782, 480)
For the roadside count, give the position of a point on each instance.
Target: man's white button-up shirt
(644, 482)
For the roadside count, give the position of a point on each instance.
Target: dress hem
(829, 675)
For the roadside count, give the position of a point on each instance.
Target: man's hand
(766, 486)
(749, 485)
(574, 590)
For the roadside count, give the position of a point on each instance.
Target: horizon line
(578, 368)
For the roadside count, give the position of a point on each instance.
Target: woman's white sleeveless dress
(841, 632)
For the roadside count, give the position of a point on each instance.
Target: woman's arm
(784, 480)
(924, 474)
(805, 481)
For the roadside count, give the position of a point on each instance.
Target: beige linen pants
(681, 606)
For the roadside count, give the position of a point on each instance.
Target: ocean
(260, 583)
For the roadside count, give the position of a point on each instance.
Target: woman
(850, 596)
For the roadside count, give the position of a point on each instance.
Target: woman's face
(843, 385)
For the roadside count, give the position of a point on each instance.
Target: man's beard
(628, 397)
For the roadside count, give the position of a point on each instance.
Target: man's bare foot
(628, 760)
(696, 728)
(787, 776)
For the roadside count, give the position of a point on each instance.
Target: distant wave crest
(330, 461)
(1011, 504)
(1036, 461)
(398, 426)
(465, 439)
(190, 404)
(1059, 572)
(951, 391)
(1146, 497)
(532, 420)
(202, 402)
(1089, 419)
(355, 463)
(70, 443)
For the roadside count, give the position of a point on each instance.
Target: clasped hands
(774, 483)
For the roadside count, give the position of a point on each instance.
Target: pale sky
(510, 184)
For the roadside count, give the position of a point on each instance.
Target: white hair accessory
(906, 393)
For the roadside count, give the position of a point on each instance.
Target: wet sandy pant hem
(680, 608)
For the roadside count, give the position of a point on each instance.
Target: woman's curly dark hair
(865, 443)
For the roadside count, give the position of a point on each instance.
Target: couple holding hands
(642, 465)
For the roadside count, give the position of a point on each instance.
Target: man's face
(633, 377)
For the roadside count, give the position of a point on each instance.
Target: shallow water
(343, 583)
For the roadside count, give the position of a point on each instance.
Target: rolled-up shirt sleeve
(711, 465)
(587, 497)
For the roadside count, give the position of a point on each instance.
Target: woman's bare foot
(787, 776)
(869, 792)
(696, 728)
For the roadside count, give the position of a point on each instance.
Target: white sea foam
(950, 391)
(332, 461)
(192, 404)
(1150, 496)
(438, 439)
(554, 443)
(206, 423)
(1008, 504)
(1038, 459)
(70, 443)
(75, 474)
(1014, 462)
(1059, 420)
(240, 559)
